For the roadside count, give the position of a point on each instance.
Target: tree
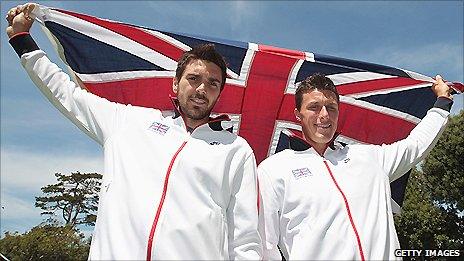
(432, 216)
(75, 196)
(46, 242)
(421, 224)
(444, 171)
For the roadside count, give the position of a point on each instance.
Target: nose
(323, 113)
(201, 88)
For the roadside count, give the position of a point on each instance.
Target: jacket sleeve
(399, 157)
(242, 213)
(269, 216)
(96, 116)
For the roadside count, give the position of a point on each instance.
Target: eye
(332, 108)
(313, 107)
(192, 78)
(215, 84)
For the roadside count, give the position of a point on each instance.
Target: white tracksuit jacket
(166, 194)
(338, 205)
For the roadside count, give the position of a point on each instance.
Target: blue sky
(37, 141)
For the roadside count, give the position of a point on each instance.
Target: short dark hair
(316, 81)
(205, 52)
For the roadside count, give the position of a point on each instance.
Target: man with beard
(325, 201)
(174, 187)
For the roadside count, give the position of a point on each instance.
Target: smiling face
(319, 116)
(198, 90)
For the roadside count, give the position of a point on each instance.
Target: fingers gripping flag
(135, 65)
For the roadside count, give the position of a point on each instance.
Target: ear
(175, 85)
(297, 114)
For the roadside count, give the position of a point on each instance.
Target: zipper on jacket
(160, 206)
(348, 210)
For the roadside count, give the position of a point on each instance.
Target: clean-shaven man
(325, 201)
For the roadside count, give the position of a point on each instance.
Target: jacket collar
(296, 141)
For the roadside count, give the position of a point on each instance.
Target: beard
(194, 111)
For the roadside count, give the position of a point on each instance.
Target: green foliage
(421, 225)
(45, 242)
(445, 169)
(75, 196)
(433, 213)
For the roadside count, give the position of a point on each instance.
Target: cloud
(241, 12)
(28, 171)
(435, 57)
(26, 113)
(427, 59)
(23, 173)
(231, 19)
(14, 207)
(18, 214)
(32, 124)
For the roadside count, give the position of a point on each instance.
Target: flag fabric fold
(135, 65)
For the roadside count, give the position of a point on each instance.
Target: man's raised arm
(96, 116)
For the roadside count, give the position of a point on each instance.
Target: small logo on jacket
(300, 173)
(214, 143)
(159, 128)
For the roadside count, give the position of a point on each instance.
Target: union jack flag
(135, 65)
(159, 128)
(299, 173)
